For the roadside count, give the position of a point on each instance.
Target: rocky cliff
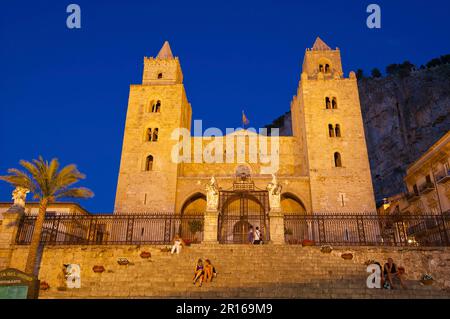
(403, 116)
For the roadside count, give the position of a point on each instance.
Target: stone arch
(194, 204)
(337, 159)
(148, 163)
(256, 206)
(292, 204)
(324, 65)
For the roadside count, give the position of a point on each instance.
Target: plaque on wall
(15, 284)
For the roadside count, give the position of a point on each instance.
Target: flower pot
(44, 285)
(427, 282)
(123, 261)
(326, 249)
(98, 269)
(145, 254)
(347, 256)
(307, 242)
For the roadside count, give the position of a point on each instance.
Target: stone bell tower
(326, 117)
(148, 176)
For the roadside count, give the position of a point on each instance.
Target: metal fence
(333, 229)
(113, 229)
(360, 229)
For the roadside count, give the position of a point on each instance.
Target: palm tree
(47, 184)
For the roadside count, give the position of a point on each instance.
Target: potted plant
(427, 279)
(326, 249)
(195, 226)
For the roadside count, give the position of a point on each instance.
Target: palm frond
(42, 167)
(45, 180)
(68, 176)
(52, 174)
(77, 192)
(19, 178)
(36, 175)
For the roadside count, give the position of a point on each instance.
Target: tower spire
(165, 52)
(319, 45)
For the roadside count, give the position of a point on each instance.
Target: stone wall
(153, 275)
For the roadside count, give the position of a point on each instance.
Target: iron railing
(333, 229)
(371, 230)
(93, 229)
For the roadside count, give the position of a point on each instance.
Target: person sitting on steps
(177, 244)
(210, 271)
(199, 272)
(390, 272)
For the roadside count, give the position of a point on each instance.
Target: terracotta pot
(145, 254)
(307, 242)
(123, 262)
(98, 269)
(44, 285)
(347, 256)
(427, 282)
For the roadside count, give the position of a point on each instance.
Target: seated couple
(204, 272)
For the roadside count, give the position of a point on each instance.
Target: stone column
(276, 226)
(210, 227)
(9, 226)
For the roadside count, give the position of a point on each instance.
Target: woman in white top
(257, 236)
(177, 244)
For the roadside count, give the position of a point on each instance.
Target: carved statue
(274, 189)
(212, 195)
(18, 195)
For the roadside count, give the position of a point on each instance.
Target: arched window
(159, 75)
(327, 68)
(320, 67)
(155, 135)
(337, 160)
(327, 103)
(149, 163)
(148, 135)
(156, 107)
(330, 130)
(334, 103)
(338, 130)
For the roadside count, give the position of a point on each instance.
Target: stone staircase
(244, 271)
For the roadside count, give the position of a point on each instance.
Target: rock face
(403, 117)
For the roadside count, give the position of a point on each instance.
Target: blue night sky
(63, 92)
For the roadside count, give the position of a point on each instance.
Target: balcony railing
(426, 188)
(443, 177)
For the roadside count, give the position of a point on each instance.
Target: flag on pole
(245, 120)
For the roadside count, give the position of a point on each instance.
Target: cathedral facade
(322, 168)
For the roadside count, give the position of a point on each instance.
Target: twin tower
(323, 166)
